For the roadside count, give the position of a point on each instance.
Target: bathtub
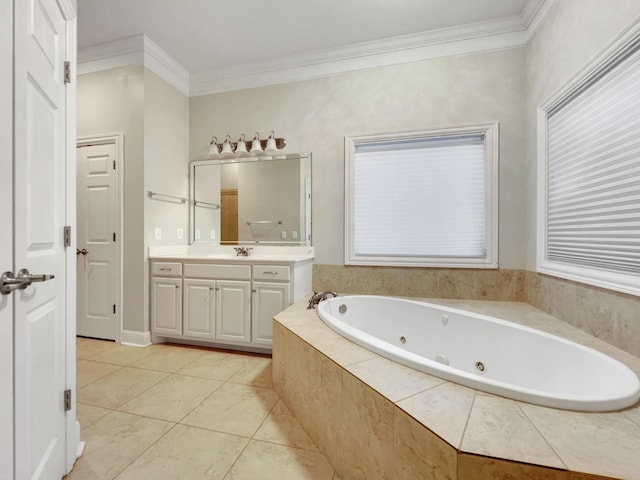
(484, 353)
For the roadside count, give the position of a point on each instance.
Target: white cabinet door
(233, 312)
(268, 300)
(166, 306)
(199, 319)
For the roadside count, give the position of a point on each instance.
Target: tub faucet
(242, 251)
(316, 298)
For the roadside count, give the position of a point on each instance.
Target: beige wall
(315, 115)
(108, 102)
(154, 118)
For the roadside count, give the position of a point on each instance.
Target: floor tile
(256, 372)
(113, 442)
(187, 453)
(168, 358)
(281, 427)
(216, 365)
(234, 408)
(119, 387)
(172, 398)
(88, 414)
(267, 461)
(89, 347)
(122, 355)
(88, 371)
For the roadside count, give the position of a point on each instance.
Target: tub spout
(316, 298)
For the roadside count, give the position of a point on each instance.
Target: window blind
(593, 179)
(423, 197)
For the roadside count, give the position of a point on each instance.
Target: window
(426, 198)
(589, 166)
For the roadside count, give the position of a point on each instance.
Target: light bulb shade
(213, 147)
(227, 148)
(255, 144)
(241, 147)
(271, 144)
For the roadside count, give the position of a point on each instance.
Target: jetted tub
(484, 353)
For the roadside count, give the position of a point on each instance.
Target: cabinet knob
(177, 286)
(254, 290)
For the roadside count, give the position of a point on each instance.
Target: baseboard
(135, 339)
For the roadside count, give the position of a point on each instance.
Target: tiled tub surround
(611, 316)
(374, 418)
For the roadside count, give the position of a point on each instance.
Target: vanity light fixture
(241, 147)
(214, 151)
(229, 149)
(271, 144)
(256, 147)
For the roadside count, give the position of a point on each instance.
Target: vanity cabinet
(166, 298)
(230, 303)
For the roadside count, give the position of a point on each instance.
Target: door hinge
(67, 400)
(67, 72)
(67, 236)
(114, 308)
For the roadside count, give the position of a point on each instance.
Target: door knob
(9, 283)
(29, 278)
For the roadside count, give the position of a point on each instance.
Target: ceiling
(204, 36)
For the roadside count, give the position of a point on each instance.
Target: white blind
(593, 204)
(422, 197)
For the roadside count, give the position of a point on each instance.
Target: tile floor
(171, 412)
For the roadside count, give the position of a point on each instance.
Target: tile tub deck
(374, 418)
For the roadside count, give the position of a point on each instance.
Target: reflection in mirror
(264, 200)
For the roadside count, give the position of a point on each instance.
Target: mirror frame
(252, 159)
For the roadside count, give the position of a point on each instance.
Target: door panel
(269, 299)
(166, 306)
(97, 224)
(40, 213)
(233, 314)
(199, 308)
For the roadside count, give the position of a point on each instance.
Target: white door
(6, 237)
(97, 220)
(199, 306)
(268, 300)
(39, 216)
(233, 313)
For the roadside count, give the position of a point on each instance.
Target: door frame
(6, 238)
(117, 139)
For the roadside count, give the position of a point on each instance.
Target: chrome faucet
(242, 251)
(316, 298)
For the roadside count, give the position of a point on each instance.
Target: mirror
(251, 200)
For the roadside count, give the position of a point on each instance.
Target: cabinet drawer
(227, 272)
(166, 269)
(271, 272)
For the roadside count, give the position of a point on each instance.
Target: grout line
(144, 451)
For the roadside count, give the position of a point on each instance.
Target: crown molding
(133, 51)
(510, 32)
(534, 15)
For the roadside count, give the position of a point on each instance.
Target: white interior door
(40, 214)
(6, 237)
(97, 220)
